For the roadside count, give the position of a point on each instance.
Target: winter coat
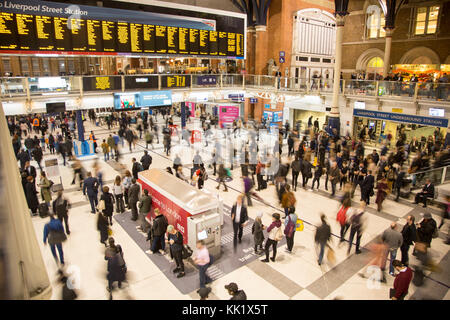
(258, 234)
(109, 203)
(45, 190)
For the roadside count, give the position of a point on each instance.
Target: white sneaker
(162, 252)
(149, 252)
(310, 190)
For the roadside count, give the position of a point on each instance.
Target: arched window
(375, 22)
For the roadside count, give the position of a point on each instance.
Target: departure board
(203, 43)
(49, 32)
(136, 37)
(8, 32)
(183, 37)
(44, 33)
(172, 40)
(102, 83)
(223, 43)
(149, 38)
(123, 37)
(240, 45)
(176, 81)
(213, 45)
(78, 34)
(193, 41)
(231, 46)
(161, 39)
(26, 32)
(63, 39)
(109, 32)
(94, 35)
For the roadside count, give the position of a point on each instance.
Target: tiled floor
(292, 276)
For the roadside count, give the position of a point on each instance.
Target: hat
(203, 292)
(427, 215)
(232, 287)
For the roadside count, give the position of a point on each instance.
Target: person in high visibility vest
(36, 124)
(94, 140)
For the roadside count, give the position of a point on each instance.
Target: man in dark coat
(296, 166)
(367, 187)
(146, 160)
(427, 192)
(23, 157)
(158, 231)
(323, 234)
(426, 229)
(409, 234)
(136, 168)
(90, 187)
(133, 198)
(239, 217)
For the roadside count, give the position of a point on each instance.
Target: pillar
(22, 266)
(261, 46)
(387, 52)
(333, 120)
(250, 56)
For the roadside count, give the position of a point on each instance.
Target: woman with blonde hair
(118, 191)
(126, 185)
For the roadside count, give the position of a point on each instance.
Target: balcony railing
(37, 86)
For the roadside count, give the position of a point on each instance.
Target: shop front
(305, 109)
(377, 125)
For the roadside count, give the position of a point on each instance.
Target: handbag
(186, 252)
(278, 234)
(299, 225)
(110, 232)
(101, 205)
(56, 237)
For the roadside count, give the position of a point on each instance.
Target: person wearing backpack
(342, 218)
(289, 228)
(275, 235)
(357, 225)
(61, 207)
(146, 160)
(323, 235)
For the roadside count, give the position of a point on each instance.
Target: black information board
(102, 83)
(175, 81)
(161, 39)
(74, 34)
(141, 82)
(8, 32)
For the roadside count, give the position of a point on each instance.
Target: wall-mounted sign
(436, 112)
(155, 98)
(102, 83)
(209, 80)
(397, 110)
(141, 82)
(176, 81)
(425, 121)
(359, 105)
(253, 100)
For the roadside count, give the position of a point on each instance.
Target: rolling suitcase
(43, 210)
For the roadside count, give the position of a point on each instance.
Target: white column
(337, 66)
(24, 269)
(387, 52)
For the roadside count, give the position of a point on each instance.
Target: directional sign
(282, 60)
(282, 54)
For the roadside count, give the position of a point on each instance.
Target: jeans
(294, 179)
(290, 242)
(204, 279)
(60, 251)
(274, 244)
(344, 229)
(106, 156)
(322, 250)
(120, 207)
(354, 231)
(94, 202)
(158, 240)
(333, 188)
(393, 255)
(237, 230)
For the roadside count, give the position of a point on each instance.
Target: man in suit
(133, 198)
(367, 187)
(239, 216)
(91, 187)
(136, 168)
(427, 192)
(29, 170)
(23, 157)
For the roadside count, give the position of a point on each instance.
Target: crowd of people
(313, 154)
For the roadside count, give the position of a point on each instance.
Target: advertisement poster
(155, 98)
(277, 116)
(191, 107)
(227, 114)
(125, 101)
(268, 116)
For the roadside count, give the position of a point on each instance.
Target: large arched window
(375, 22)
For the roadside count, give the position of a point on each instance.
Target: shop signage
(267, 106)
(425, 121)
(253, 100)
(236, 97)
(360, 105)
(206, 80)
(278, 116)
(397, 110)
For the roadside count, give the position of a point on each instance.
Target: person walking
(334, 175)
(342, 218)
(382, 192)
(175, 240)
(296, 166)
(426, 229)
(203, 260)
(275, 235)
(31, 195)
(116, 265)
(158, 231)
(323, 235)
(146, 160)
(222, 175)
(133, 198)
(105, 149)
(289, 228)
(239, 218)
(45, 186)
(145, 205)
(367, 187)
(103, 227)
(90, 186)
(288, 201)
(409, 234)
(357, 226)
(54, 234)
(401, 282)
(61, 208)
(393, 240)
(258, 234)
(108, 207)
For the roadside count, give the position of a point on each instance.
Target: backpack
(186, 252)
(342, 215)
(290, 228)
(140, 167)
(61, 208)
(356, 221)
(278, 234)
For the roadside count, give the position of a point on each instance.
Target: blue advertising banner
(207, 80)
(277, 116)
(236, 97)
(398, 117)
(155, 98)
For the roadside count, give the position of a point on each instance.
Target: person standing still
(202, 259)
(239, 217)
(175, 240)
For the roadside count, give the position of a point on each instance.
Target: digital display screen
(55, 107)
(102, 83)
(141, 82)
(176, 81)
(88, 34)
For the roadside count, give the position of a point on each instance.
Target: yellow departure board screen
(231, 44)
(136, 37)
(172, 40)
(94, 35)
(109, 32)
(149, 38)
(26, 31)
(161, 39)
(183, 37)
(123, 37)
(8, 31)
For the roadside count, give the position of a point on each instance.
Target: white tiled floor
(84, 250)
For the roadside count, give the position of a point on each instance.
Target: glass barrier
(50, 85)
(361, 87)
(232, 80)
(437, 176)
(13, 87)
(251, 80)
(434, 91)
(267, 81)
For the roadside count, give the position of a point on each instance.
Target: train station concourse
(256, 150)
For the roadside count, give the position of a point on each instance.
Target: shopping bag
(299, 226)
